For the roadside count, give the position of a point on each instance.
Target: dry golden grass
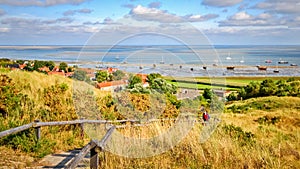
(273, 145)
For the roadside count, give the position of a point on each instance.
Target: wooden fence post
(82, 128)
(94, 159)
(37, 130)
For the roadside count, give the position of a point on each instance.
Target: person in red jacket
(205, 116)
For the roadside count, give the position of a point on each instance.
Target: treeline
(268, 87)
(35, 65)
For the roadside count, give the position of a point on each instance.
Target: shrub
(237, 133)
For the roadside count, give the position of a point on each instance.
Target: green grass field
(231, 83)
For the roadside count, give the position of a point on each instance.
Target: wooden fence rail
(94, 146)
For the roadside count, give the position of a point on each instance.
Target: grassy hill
(261, 137)
(255, 133)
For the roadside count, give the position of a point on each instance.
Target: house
(111, 70)
(55, 69)
(57, 73)
(222, 93)
(22, 66)
(44, 69)
(112, 86)
(91, 73)
(144, 79)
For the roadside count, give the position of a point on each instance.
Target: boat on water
(204, 67)
(117, 58)
(228, 57)
(276, 71)
(162, 60)
(268, 61)
(282, 62)
(262, 67)
(230, 67)
(242, 61)
(293, 64)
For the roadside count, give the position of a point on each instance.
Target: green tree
(207, 94)
(38, 64)
(63, 66)
(138, 88)
(252, 90)
(102, 76)
(134, 80)
(118, 75)
(50, 65)
(295, 88)
(163, 86)
(268, 88)
(153, 76)
(283, 88)
(80, 75)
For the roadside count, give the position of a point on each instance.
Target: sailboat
(228, 57)
(162, 60)
(242, 61)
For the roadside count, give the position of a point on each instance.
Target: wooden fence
(94, 146)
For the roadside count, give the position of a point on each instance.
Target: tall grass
(240, 141)
(247, 137)
(38, 96)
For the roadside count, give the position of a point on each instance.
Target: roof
(56, 73)
(143, 77)
(109, 84)
(22, 66)
(45, 69)
(111, 70)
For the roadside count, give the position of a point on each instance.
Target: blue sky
(74, 22)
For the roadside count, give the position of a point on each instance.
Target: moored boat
(268, 61)
(262, 67)
(230, 67)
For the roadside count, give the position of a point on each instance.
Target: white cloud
(241, 16)
(200, 18)
(245, 19)
(280, 6)
(221, 3)
(265, 35)
(4, 30)
(43, 3)
(162, 16)
(153, 14)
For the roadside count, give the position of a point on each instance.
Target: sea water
(169, 58)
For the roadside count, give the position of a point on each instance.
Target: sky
(80, 22)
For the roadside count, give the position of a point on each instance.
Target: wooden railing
(94, 146)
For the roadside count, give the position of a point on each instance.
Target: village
(105, 79)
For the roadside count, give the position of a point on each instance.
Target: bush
(237, 133)
(267, 120)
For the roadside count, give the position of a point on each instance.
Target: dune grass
(241, 140)
(254, 133)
